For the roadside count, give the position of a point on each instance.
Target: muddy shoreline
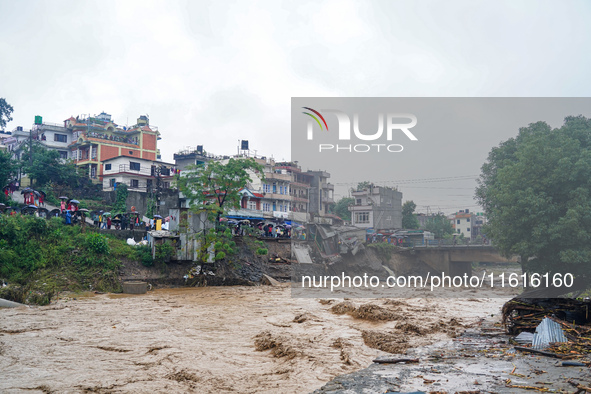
(481, 360)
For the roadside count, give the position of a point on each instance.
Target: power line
(417, 180)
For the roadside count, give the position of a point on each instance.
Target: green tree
(536, 191)
(7, 170)
(121, 199)
(409, 220)
(214, 187)
(47, 167)
(5, 113)
(439, 225)
(341, 208)
(363, 185)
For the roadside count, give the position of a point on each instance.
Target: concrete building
(377, 207)
(479, 220)
(463, 223)
(191, 156)
(98, 138)
(51, 136)
(90, 140)
(139, 175)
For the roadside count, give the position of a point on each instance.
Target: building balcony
(277, 196)
(278, 177)
(299, 198)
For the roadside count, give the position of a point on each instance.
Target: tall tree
(5, 113)
(409, 220)
(341, 208)
(439, 225)
(214, 187)
(47, 167)
(7, 169)
(536, 191)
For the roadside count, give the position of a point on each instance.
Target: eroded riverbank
(203, 339)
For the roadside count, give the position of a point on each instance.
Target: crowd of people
(263, 229)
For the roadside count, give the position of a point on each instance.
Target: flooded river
(216, 339)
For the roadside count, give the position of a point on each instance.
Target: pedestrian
(108, 223)
(68, 218)
(95, 219)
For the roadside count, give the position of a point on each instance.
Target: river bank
(216, 339)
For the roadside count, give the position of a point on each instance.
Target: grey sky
(212, 73)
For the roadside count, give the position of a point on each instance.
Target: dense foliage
(5, 113)
(439, 225)
(46, 254)
(121, 199)
(409, 220)
(7, 172)
(341, 208)
(536, 191)
(214, 187)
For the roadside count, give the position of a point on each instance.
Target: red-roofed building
(97, 139)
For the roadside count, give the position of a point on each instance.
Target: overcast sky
(212, 73)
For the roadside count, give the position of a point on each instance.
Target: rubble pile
(523, 314)
(570, 318)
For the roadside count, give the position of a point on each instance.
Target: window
(274, 188)
(458, 231)
(112, 182)
(63, 154)
(267, 188)
(468, 229)
(166, 185)
(252, 205)
(468, 220)
(266, 207)
(361, 217)
(358, 201)
(135, 183)
(458, 221)
(133, 166)
(131, 152)
(60, 137)
(107, 167)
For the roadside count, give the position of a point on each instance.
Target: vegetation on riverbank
(40, 258)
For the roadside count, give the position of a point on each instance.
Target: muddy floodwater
(215, 339)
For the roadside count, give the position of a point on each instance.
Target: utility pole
(158, 172)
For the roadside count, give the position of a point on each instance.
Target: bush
(144, 254)
(262, 251)
(164, 252)
(97, 243)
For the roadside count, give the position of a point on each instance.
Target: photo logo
(392, 124)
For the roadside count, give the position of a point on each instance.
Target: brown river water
(202, 340)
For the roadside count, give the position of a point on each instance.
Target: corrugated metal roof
(547, 331)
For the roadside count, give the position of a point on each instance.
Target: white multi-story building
(138, 174)
(463, 223)
(377, 207)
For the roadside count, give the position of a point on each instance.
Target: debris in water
(277, 344)
(385, 341)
